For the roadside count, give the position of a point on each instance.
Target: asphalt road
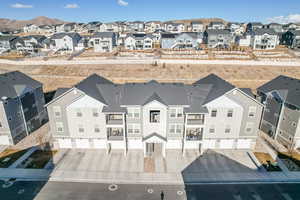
(96, 191)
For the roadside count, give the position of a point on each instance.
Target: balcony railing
(192, 137)
(195, 121)
(114, 121)
(115, 137)
(115, 134)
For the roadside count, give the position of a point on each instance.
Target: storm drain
(113, 187)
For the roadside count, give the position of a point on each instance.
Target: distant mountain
(8, 24)
(205, 21)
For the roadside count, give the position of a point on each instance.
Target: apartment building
(21, 107)
(281, 114)
(154, 117)
(104, 41)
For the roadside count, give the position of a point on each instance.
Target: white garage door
(82, 143)
(209, 144)
(244, 144)
(99, 144)
(4, 140)
(65, 143)
(135, 144)
(226, 144)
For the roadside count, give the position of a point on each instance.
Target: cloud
(293, 18)
(122, 3)
(19, 5)
(73, 5)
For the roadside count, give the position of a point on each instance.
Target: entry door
(150, 149)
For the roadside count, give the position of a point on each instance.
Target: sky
(147, 10)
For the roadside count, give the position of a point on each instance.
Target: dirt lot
(67, 75)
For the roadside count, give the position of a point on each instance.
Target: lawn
(291, 160)
(38, 159)
(267, 161)
(9, 156)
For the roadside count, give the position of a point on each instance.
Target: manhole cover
(150, 190)
(113, 187)
(21, 191)
(179, 192)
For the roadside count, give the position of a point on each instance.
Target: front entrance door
(153, 149)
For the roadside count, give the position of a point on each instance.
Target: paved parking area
(210, 162)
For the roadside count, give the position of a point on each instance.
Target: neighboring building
(64, 41)
(109, 27)
(136, 26)
(291, 26)
(197, 27)
(236, 28)
(152, 26)
(104, 41)
(45, 29)
(264, 39)
(244, 41)
(29, 44)
(174, 27)
(21, 107)
(216, 25)
(252, 26)
(291, 39)
(139, 41)
(6, 42)
(275, 26)
(215, 38)
(281, 115)
(154, 117)
(188, 40)
(31, 28)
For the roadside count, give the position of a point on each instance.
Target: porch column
(184, 135)
(124, 134)
(144, 145)
(164, 149)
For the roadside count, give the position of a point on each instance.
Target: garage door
(82, 143)
(4, 140)
(226, 144)
(244, 144)
(65, 143)
(99, 144)
(209, 144)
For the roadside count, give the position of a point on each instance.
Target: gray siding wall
(246, 102)
(62, 103)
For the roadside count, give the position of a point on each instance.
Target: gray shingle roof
(60, 91)
(218, 31)
(61, 35)
(247, 91)
(13, 84)
(288, 87)
(219, 86)
(262, 31)
(104, 35)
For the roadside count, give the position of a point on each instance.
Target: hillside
(8, 24)
(205, 21)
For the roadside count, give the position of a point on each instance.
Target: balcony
(194, 134)
(115, 134)
(196, 119)
(114, 119)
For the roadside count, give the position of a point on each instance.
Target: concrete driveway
(231, 161)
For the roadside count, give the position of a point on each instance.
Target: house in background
(154, 117)
(197, 27)
(139, 41)
(236, 28)
(21, 107)
(244, 40)
(275, 26)
(6, 42)
(29, 44)
(216, 25)
(64, 41)
(31, 28)
(215, 38)
(252, 26)
(264, 39)
(186, 40)
(281, 115)
(291, 39)
(174, 27)
(104, 41)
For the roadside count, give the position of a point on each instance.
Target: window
(97, 129)
(294, 124)
(133, 113)
(57, 111)
(133, 128)
(175, 128)
(80, 129)
(213, 113)
(230, 113)
(59, 127)
(249, 127)
(95, 112)
(252, 111)
(227, 129)
(0, 125)
(212, 129)
(176, 112)
(154, 116)
(78, 113)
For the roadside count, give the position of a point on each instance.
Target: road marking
(287, 196)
